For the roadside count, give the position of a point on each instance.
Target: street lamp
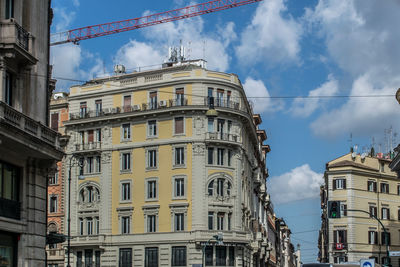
(80, 164)
(218, 238)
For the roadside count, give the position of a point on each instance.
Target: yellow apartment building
(360, 182)
(163, 161)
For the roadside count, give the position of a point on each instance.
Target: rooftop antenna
(351, 140)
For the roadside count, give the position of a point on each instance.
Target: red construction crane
(88, 32)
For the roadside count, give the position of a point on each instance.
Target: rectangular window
(53, 179)
(151, 257)
(179, 129)
(343, 210)
(89, 226)
(81, 226)
(210, 155)
(99, 107)
(180, 97)
(340, 236)
(372, 186)
(53, 204)
(220, 98)
(153, 100)
(98, 135)
(152, 128)
(372, 237)
(231, 256)
(229, 221)
(178, 256)
(98, 163)
(220, 128)
(152, 189)
(9, 9)
(151, 223)
(126, 191)
(210, 98)
(385, 237)
(97, 223)
(179, 156)
(127, 103)
(220, 221)
(89, 164)
(54, 121)
(220, 156)
(152, 158)
(210, 125)
(81, 165)
(88, 257)
(179, 221)
(97, 258)
(229, 157)
(210, 220)
(125, 257)
(126, 161)
(126, 131)
(339, 184)
(9, 87)
(79, 259)
(385, 188)
(373, 211)
(90, 136)
(209, 255)
(385, 214)
(179, 187)
(83, 109)
(228, 99)
(220, 252)
(125, 224)
(82, 137)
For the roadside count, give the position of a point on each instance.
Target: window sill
(126, 140)
(179, 134)
(125, 171)
(152, 137)
(183, 166)
(149, 169)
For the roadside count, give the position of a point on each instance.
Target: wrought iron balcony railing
(222, 136)
(88, 146)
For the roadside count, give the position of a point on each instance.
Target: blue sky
(278, 48)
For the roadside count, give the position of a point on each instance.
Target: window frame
(175, 186)
(175, 133)
(123, 197)
(175, 163)
(125, 224)
(122, 164)
(127, 130)
(151, 158)
(51, 198)
(147, 189)
(152, 129)
(178, 260)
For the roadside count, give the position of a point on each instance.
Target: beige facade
(366, 183)
(29, 149)
(163, 172)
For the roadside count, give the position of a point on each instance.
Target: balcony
(16, 40)
(92, 146)
(222, 137)
(27, 125)
(339, 246)
(10, 208)
(156, 106)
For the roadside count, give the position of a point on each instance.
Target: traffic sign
(394, 253)
(367, 263)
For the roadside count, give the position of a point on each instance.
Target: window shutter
(334, 236)
(369, 237)
(345, 237)
(127, 100)
(345, 210)
(375, 189)
(334, 184)
(388, 214)
(90, 136)
(54, 121)
(179, 125)
(344, 183)
(382, 213)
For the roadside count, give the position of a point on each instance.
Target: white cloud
(63, 18)
(299, 183)
(209, 46)
(76, 3)
(362, 39)
(258, 94)
(66, 60)
(137, 54)
(361, 116)
(304, 107)
(270, 37)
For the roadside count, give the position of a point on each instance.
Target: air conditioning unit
(163, 103)
(136, 107)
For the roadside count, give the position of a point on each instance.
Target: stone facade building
(55, 195)
(166, 160)
(365, 183)
(29, 149)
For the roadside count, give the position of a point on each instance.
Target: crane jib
(88, 32)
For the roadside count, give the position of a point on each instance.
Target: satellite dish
(353, 155)
(363, 155)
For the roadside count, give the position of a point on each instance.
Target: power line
(307, 231)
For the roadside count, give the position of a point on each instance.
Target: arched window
(89, 194)
(223, 187)
(228, 189)
(220, 187)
